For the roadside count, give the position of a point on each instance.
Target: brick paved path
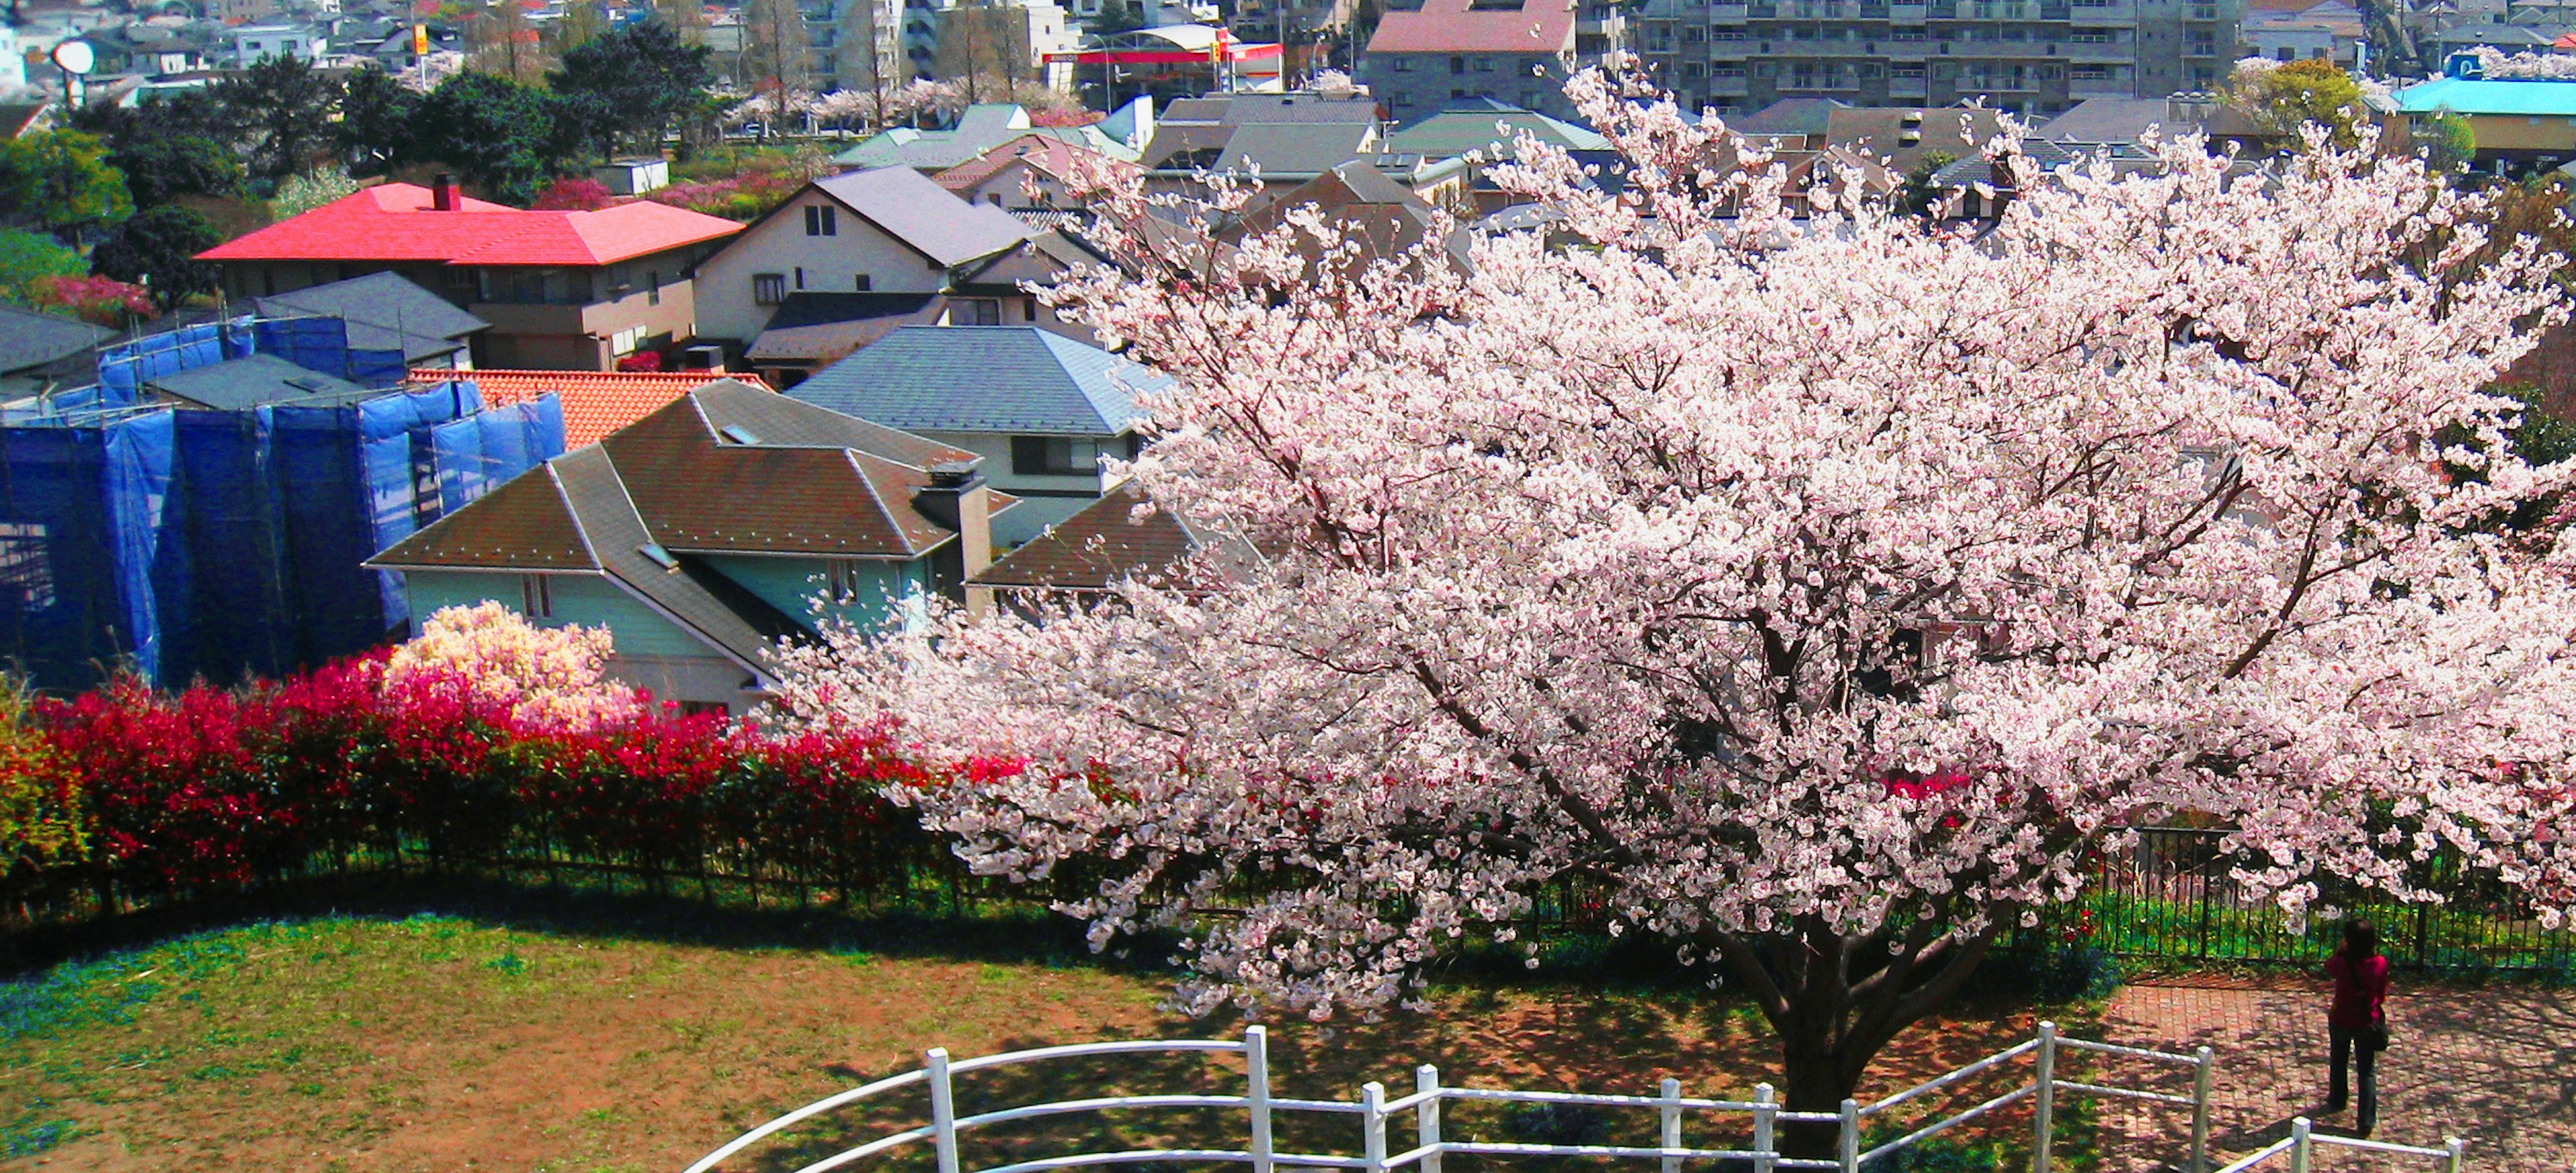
(2495, 1065)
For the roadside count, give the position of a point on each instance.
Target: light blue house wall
(585, 599)
(791, 583)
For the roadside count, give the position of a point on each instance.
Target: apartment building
(2037, 58)
(1428, 53)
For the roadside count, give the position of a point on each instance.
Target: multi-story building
(2037, 58)
(857, 44)
(1427, 53)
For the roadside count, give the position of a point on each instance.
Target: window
(2286, 53)
(1028, 309)
(842, 578)
(976, 311)
(821, 220)
(536, 596)
(1053, 456)
(1400, 64)
(652, 287)
(26, 566)
(862, 283)
(768, 288)
(1457, 65)
(1484, 65)
(800, 276)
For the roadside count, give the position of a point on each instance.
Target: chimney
(442, 193)
(956, 499)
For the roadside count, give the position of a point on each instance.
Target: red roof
(595, 403)
(394, 222)
(1456, 26)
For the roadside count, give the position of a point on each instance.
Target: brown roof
(1103, 543)
(524, 524)
(1904, 136)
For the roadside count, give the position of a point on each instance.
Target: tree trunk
(1836, 1001)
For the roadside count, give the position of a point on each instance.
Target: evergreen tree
(630, 85)
(498, 134)
(59, 181)
(159, 168)
(159, 248)
(376, 116)
(282, 108)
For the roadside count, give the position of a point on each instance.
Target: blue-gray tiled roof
(1016, 380)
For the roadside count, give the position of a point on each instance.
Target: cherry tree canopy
(1823, 589)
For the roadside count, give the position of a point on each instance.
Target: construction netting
(187, 544)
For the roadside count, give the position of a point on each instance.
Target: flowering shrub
(103, 300)
(642, 360)
(483, 738)
(573, 193)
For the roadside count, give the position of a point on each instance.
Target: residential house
(1123, 536)
(705, 533)
(2299, 30)
(42, 352)
(1905, 138)
(2517, 123)
(1428, 52)
(1487, 130)
(1002, 177)
(251, 42)
(2121, 125)
(979, 129)
(1287, 138)
(811, 331)
(595, 403)
(1040, 408)
(890, 230)
(1381, 218)
(568, 290)
(383, 311)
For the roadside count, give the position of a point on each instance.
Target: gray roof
(29, 339)
(924, 215)
(1978, 169)
(258, 380)
(1017, 380)
(384, 311)
(1789, 116)
(1269, 109)
(980, 128)
(2114, 122)
(1297, 149)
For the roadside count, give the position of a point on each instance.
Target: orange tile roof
(595, 403)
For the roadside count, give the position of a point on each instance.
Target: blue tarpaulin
(225, 545)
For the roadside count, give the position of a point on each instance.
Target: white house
(890, 230)
(302, 42)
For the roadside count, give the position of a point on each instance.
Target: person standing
(2357, 1022)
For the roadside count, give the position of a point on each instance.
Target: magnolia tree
(549, 677)
(1825, 591)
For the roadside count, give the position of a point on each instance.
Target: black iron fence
(2173, 898)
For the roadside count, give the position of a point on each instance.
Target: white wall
(831, 263)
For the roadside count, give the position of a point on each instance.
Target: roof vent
(1910, 138)
(738, 434)
(952, 474)
(659, 556)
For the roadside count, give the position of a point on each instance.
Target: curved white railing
(2303, 1141)
(1763, 1112)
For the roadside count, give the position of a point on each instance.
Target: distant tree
(103, 300)
(376, 115)
(582, 22)
(688, 18)
(2281, 98)
(158, 249)
(1921, 193)
(26, 257)
(497, 133)
(157, 169)
(2449, 145)
(282, 107)
(59, 181)
(1117, 16)
(630, 85)
(984, 49)
(505, 44)
(190, 114)
(774, 48)
(299, 194)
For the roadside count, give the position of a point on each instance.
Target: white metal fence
(1759, 1119)
(2302, 1143)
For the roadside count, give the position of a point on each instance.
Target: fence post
(1850, 1137)
(2299, 1145)
(2043, 1104)
(1372, 1125)
(1256, 1069)
(943, 1109)
(1426, 1115)
(1670, 1118)
(2202, 1078)
(2458, 1152)
(1766, 1144)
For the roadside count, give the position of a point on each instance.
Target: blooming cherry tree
(1823, 590)
(550, 678)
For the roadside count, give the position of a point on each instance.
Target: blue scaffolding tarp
(223, 545)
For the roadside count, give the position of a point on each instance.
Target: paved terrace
(2494, 1064)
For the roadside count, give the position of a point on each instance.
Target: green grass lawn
(474, 1038)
